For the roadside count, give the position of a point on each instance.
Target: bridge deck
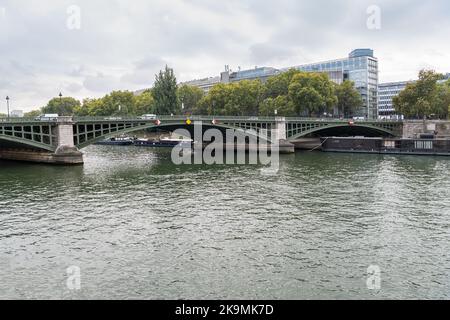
(43, 134)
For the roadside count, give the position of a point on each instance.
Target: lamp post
(7, 104)
(60, 104)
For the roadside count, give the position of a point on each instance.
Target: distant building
(262, 74)
(386, 94)
(17, 113)
(205, 84)
(361, 67)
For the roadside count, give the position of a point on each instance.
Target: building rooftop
(253, 73)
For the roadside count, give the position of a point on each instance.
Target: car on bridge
(47, 117)
(148, 117)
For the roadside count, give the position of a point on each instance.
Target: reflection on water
(140, 227)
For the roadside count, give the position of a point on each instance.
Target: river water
(139, 227)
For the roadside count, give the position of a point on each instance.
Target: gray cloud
(122, 44)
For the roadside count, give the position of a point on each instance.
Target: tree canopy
(165, 92)
(292, 93)
(62, 106)
(348, 99)
(189, 97)
(425, 97)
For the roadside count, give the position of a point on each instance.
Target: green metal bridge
(84, 131)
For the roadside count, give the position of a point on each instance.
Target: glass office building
(252, 74)
(386, 94)
(361, 67)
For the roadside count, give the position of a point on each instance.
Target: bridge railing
(228, 118)
(192, 118)
(25, 120)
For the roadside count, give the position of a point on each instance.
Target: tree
(312, 93)
(279, 85)
(233, 99)
(145, 103)
(62, 106)
(348, 99)
(120, 103)
(280, 105)
(91, 107)
(216, 100)
(443, 100)
(424, 97)
(33, 114)
(189, 97)
(244, 98)
(165, 92)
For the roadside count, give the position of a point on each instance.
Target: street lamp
(276, 112)
(7, 104)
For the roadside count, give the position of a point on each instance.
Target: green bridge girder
(42, 135)
(29, 133)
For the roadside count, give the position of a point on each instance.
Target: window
(389, 144)
(424, 145)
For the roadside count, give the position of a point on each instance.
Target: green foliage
(33, 114)
(144, 103)
(279, 85)
(291, 93)
(165, 92)
(118, 103)
(62, 106)
(349, 99)
(425, 97)
(190, 97)
(280, 105)
(312, 93)
(239, 98)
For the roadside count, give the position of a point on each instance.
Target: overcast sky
(121, 44)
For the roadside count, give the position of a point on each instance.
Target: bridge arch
(169, 127)
(17, 142)
(345, 129)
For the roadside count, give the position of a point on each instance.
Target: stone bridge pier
(280, 138)
(66, 152)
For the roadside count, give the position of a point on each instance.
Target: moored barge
(163, 143)
(116, 141)
(429, 147)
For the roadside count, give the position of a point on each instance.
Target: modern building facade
(252, 74)
(386, 94)
(361, 67)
